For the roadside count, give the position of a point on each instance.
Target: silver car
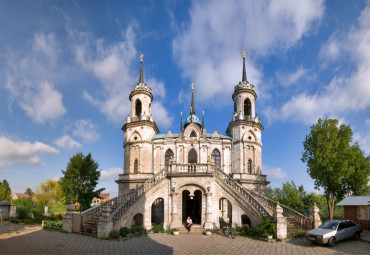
(332, 231)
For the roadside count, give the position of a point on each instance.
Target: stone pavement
(23, 239)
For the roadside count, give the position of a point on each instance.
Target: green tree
(5, 191)
(49, 193)
(80, 179)
(332, 161)
(29, 192)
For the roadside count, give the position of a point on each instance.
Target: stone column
(225, 210)
(67, 221)
(281, 222)
(208, 223)
(105, 224)
(314, 213)
(174, 214)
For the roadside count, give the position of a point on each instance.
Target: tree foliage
(333, 163)
(5, 191)
(29, 192)
(49, 193)
(80, 179)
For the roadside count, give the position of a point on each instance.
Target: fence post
(281, 222)
(314, 212)
(105, 224)
(67, 221)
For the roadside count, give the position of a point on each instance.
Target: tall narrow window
(247, 108)
(136, 166)
(168, 156)
(138, 108)
(192, 156)
(216, 158)
(249, 166)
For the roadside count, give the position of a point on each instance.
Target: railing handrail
(254, 202)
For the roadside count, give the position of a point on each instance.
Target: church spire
(244, 79)
(141, 78)
(192, 109)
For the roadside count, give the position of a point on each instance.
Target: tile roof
(355, 200)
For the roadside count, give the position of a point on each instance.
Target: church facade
(211, 177)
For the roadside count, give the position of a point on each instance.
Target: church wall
(240, 103)
(145, 104)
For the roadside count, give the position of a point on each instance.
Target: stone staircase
(196, 229)
(261, 204)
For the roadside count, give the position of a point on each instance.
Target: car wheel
(356, 236)
(331, 242)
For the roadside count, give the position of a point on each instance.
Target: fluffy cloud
(67, 143)
(274, 173)
(110, 174)
(28, 75)
(87, 130)
(208, 49)
(364, 138)
(342, 94)
(23, 152)
(112, 64)
(292, 78)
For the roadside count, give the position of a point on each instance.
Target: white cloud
(87, 130)
(274, 173)
(110, 174)
(116, 66)
(67, 143)
(292, 78)
(343, 94)
(208, 49)
(363, 139)
(28, 79)
(23, 152)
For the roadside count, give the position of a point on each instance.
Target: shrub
(157, 228)
(114, 234)
(266, 228)
(23, 212)
(123, 231)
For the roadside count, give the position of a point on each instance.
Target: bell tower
(245, 129)
(139, 129)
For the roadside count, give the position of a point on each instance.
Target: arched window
(192, 156)
(249, 166)
(247, 108)
(138, 108)
(193, 134)
(234, 106)
(168, 156)
(136, 166)
(216, 158)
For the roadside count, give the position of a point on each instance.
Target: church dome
(192, 118)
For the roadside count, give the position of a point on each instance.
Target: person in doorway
(189, 222)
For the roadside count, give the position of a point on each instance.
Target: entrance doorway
(192, 206)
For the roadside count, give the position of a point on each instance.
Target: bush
(137, 230)
(23, 212)
(123, 231)
(157, 228)
(114, 234)
(266, 228)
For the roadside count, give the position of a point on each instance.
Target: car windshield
(329, 225)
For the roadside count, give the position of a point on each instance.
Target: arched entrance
(137, 220)
(158, 211)
(192, 206)
(245, 220)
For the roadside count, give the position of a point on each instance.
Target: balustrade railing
(190, 168)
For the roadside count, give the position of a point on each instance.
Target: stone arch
(216, 157)
(250, 136)
(245, 220)
(158, 211)
(192, 156)
(138, 108)
(192, 205)
(168, 157)
(137, 220)
(135, 137)
(247, 107)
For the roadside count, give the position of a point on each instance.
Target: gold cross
(244, 52)
(141, 57)
(192, 87)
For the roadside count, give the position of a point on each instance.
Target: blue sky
(67, 68)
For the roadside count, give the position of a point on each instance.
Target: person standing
(189, 222)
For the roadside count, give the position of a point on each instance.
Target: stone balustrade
(190, 168)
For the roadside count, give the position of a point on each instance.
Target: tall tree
(29, 192)
(330, 160)
(80, 179)
(49, 193)
(5, 191)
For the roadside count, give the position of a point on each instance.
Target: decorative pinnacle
(141, 77)
(141, 57)
(192, 109)
(244, 52)
(192, 86)
(244, 79)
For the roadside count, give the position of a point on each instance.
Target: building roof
(104, 195)
(21, 195)
(192, 119)
(355, 200)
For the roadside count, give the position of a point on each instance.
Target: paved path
(23, 239)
